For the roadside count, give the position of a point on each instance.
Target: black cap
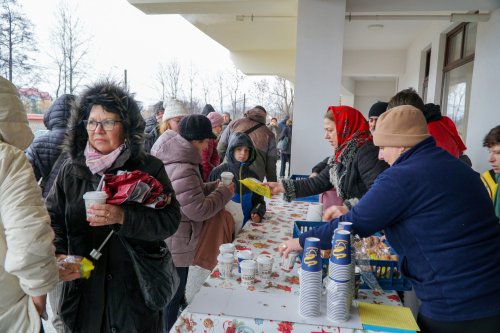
(196, 127)
(377, 109)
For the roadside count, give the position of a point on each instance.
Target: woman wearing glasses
(105, 135)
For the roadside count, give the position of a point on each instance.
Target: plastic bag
(77, 264)
(236, 211)
(256, 186)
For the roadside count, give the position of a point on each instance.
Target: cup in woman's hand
(227, 178)
(93, 198)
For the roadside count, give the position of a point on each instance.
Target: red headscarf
(350, 124)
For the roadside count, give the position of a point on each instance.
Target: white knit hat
(173, 108)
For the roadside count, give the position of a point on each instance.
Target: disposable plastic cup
(314, 212)
(265, 267)
(225, 264)
(243, 255)
(248, 270)
(288, 262)
(94, 197)
(227, 248)
(227, 178)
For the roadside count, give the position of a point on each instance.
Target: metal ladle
(96, 254)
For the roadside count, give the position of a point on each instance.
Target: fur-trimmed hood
(113, 98)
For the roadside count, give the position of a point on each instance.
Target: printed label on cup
(288, 263)
(248, 269)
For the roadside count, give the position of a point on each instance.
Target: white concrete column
(320, 37)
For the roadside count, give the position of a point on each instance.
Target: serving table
(253, 309)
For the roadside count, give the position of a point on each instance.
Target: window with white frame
(457, 74)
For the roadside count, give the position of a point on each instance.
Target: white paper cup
(248, 270)
(94, 197)
(227, 178)
(243, 255)
(265, 267)
(314, 212)
(288, 263)
(227, 248)
(225, 264)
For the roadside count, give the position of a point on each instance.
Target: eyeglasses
(107, 124)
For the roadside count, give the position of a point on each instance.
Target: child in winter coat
(239, 156)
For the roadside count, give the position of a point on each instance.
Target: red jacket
(446, 135)
(209, 158)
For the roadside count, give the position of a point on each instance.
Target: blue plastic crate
(386, 271)
(311, 198)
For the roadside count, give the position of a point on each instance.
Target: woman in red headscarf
(352, 168)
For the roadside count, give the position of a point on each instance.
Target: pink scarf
(97, 162)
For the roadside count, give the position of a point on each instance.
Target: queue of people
(387, 174)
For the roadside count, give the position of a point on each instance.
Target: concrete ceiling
(261, 34)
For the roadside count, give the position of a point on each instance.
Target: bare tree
(283, 96)
(191, 79)
(233, 86)
(71, 48)
(220, 81)
(161, 79)
(17, 41)
(168, 77)
(261, 92)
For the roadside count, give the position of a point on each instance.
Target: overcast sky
(126, 38)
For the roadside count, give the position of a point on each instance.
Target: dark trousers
(284, 159)
(171, 311)
(483, 325)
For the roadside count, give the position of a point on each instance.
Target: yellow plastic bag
(256, 186)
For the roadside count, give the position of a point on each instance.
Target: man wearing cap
(254, 124)
(438, 217)
(375, 111)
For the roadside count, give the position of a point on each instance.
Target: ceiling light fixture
(376, 26)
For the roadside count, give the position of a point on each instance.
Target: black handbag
(156, 273)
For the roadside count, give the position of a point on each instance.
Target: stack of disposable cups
(348, 226)
(341, 278)
(310, 279)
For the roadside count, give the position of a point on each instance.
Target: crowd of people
(384, 173)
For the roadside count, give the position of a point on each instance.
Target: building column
(318, 72)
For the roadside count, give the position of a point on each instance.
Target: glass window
(454, 47)
(456, 94)
(470, 39)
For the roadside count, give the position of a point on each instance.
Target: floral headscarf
(350, 125)
(352, 132)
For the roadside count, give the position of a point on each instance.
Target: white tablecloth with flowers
(264, 238)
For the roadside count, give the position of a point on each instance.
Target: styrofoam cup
(265, 267)
(94, 197)
(227, 248)
(314, 212)
(225, 264)
(243, 255)
(248, 270)
(227, 178)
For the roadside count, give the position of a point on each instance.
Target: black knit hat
(377, 109)
(196, 127)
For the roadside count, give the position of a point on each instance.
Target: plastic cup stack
(243, 255)
(339, 291)
(310, 279)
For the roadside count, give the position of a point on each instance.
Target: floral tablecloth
(264, 238)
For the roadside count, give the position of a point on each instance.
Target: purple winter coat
(199, 201)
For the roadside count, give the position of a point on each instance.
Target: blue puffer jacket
(437, 215)
(46, 148)
(250, 202)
